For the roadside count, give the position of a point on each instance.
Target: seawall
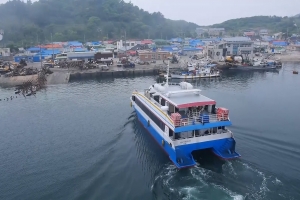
(112, 74)
(16, 80)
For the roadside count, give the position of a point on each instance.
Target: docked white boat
(207, 71)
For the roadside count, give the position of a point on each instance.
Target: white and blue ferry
(183, 121)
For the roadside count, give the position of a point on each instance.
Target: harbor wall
(112, 74)
(63, 77)
(16, 80)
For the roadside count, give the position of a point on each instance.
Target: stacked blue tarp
(280, 43)
(38, 57)
(19, 57)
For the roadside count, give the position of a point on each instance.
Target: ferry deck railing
(200, 119)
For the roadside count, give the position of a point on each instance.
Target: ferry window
(171, 108)
(215, 130)
(197, 133)
(213, 109)
(156, 98)
(176, 109)
(133, 98)
(187, 134)
(163, 102)
(171, 132)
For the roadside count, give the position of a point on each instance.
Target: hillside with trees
(29, 23)
(272, 23)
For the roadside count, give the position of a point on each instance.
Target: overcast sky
(208, 12)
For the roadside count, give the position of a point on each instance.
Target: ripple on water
(239, 180)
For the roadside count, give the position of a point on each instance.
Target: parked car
(129, 65)
(104, 67)
(119, 64)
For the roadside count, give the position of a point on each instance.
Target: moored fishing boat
(184, 122)
(208, 71)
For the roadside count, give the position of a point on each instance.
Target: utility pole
(41, 56)
(125, 43)
(52, 48)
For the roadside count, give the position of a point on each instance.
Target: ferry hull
(181, 155)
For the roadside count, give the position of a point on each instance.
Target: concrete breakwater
(16, 80)
(112, 74)
(60, 76)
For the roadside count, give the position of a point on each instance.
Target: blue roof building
(75, 44)
(94, 43)
(196, 42)
(50, 52)
(170, 48)
(35, 49)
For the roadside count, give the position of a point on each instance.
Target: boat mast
(168, 73)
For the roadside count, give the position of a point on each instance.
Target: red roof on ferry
(195, 104)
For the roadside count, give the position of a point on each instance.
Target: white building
(278, 36)
(187, 41)
(232, 46)
(4, 52)
(129, 44)
(263, 32)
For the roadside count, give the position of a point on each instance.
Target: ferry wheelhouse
(183, 121)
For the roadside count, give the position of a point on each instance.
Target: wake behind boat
(184, 122)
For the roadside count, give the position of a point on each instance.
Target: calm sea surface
(83, 141)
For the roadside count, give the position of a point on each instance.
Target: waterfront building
(263, 32)
(232, 46)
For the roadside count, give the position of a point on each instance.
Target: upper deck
(185, 98)
(185, 107)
